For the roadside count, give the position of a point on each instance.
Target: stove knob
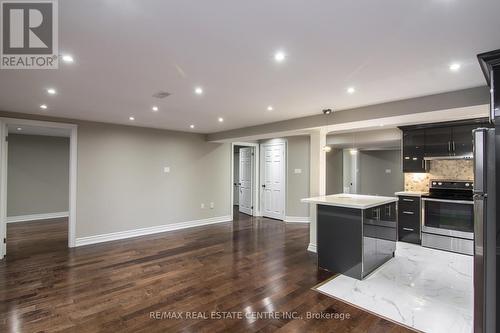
(467, 184)
(440, 183)
(434, 183)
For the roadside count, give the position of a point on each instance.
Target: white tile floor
(429, 290)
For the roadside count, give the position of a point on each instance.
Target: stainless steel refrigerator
(486, 204)
(484, 230)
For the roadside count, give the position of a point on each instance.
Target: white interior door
(273, 181)
(246, 180)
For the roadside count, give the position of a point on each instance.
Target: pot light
(67, 58)
(51, 91)
(155, 108)
(191, 126)
(131, 118)
(43, 106)
(198, 90)
(454, 67)
(353, 151)
(221, 119)
(270, 108)
(19, 129)
(279, 56)
(327, 111)
(351, 90)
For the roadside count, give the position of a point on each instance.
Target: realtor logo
(29, 33)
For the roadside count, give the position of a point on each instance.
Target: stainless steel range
(448, 216)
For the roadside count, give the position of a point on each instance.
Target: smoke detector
(161, 94)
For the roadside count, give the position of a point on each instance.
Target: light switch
(166, 169)
(212, 205)
(297, 171)
(388, 171)
(202, 206)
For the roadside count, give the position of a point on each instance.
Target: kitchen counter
(355, 233)
(356, 201)
(410, 193)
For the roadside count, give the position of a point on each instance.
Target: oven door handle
(466, 202)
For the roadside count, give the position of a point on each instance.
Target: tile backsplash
(441, 169)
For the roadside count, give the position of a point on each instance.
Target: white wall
(122, 186)
(37, 175)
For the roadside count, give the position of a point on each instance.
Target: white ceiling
(126, 50)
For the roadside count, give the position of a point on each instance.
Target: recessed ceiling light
(351, 90)
(19, 129)
(131, 118)
(270, 108)
(454, 67)
(51, 91)
(67, 58)
(353, 151)
(43, 106)
(154, 108)
(327, 111)
(279, 56)
(191, 126)
(198, 90)
(221, 119)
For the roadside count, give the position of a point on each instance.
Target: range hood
(447, 157)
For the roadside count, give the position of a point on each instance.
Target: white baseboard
(36, 217)
(297, 219)
(148, 231)
(312, 248)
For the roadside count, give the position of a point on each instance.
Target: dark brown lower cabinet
(409, 219)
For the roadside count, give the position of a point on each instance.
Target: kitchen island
(355, 233)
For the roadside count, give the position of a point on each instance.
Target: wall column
(317, 179)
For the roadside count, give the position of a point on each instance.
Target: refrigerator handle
(479, 160)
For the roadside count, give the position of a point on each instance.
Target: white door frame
(284, 142)
(73, 156)
(255, 181)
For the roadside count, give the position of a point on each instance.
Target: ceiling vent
(161, 94)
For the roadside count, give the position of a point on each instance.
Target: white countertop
(350, 200)
(411, 193)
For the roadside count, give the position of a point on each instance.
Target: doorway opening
(37, 186)
(244, 179)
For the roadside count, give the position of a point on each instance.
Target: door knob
(263, 185)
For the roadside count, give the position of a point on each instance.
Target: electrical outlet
(297, 171)
(202, 206)
(212, 205)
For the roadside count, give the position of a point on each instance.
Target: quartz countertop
(410, 193)
(347, 200)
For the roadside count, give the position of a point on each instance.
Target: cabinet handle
(409, 200)
(408, 229)
(453, 145)
(408, 213)
(449, 146)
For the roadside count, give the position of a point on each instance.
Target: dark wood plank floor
(249, 265)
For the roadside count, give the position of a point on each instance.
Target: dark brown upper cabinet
(462, 140)
(413, 151)
(437, 141)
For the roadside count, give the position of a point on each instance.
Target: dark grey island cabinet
(356, 241)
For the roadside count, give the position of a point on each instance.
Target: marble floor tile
(429, 290)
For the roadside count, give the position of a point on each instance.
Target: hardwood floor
(245, 266)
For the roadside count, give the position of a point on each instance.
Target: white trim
(36, 217)
(312, 248)
(73, 155)
(148, 231)
(297, 219)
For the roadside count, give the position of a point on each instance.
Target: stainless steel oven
(448, 217)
